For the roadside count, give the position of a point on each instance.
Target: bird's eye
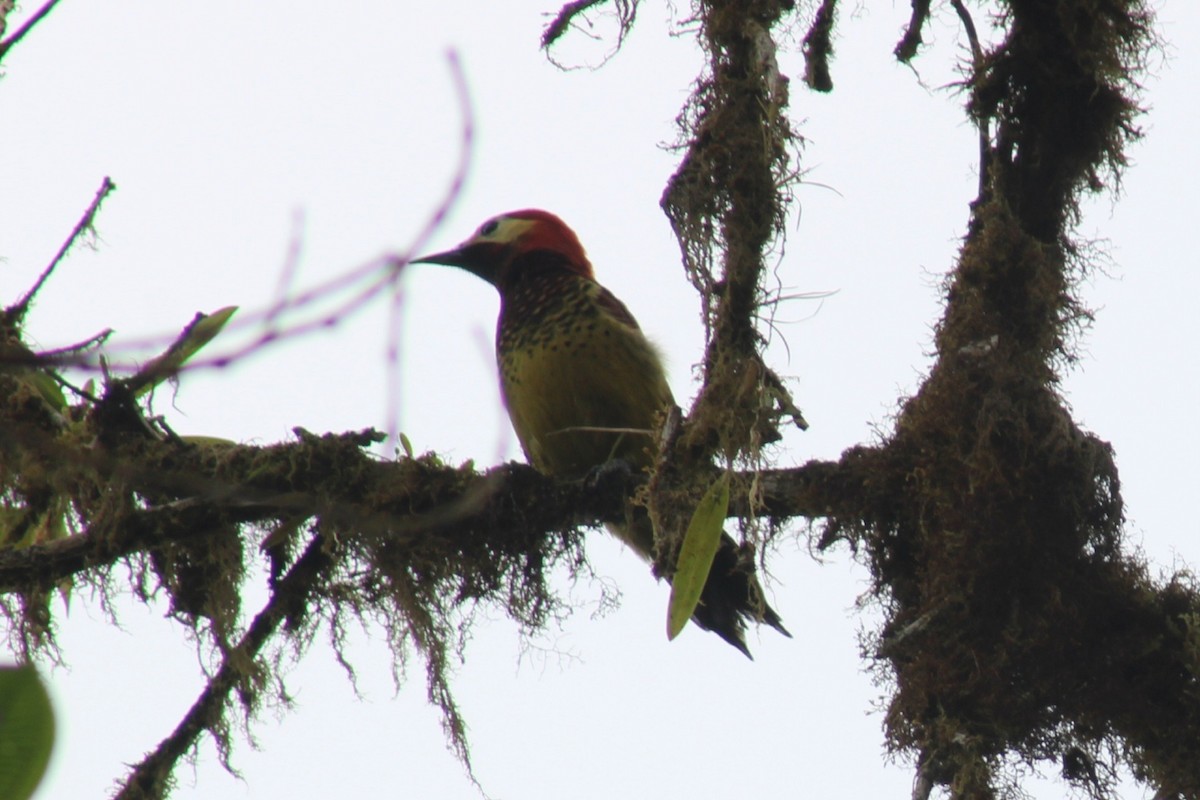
(489, 227)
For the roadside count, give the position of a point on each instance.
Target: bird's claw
(614, 475)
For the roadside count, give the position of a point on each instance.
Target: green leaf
(205, 330)
(199, 332)
(26, 731)
(48, 388)
(700, 545)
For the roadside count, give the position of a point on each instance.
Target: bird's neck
(541, 294)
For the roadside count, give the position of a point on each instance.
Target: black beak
(477, 258)
(450, 258)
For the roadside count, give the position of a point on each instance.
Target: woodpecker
(584, 386)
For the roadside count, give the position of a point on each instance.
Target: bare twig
(287, 275)
(152, 774)
(16, 312)
(93, 341)
(37, 17)
(364, 283)
(818, 48)
(625, 12)
(466, 144)
(969, 26)
(907, 47)
(565, 17)
(977, 67)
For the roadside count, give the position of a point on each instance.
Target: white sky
(220, 121)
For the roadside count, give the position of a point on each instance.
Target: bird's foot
(615, 476)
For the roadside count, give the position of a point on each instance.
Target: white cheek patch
(505, 229)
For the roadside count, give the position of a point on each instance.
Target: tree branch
(14, 314)
(565, 18)
(152, 775)
(908, 45)
(106, 541)
(298, 480)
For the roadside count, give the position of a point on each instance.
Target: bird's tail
(732, 594)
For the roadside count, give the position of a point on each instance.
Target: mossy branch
(1016, 623)
(332, 478)
(153, 775)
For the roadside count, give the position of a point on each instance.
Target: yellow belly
(578, 401)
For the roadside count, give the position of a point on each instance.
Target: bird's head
(497, 246)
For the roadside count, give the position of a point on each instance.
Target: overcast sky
(231, 128)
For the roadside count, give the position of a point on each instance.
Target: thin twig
(395, 332)
(391, 266)
(562, 21)
(977, 67)
(151, 775)
(287, 275)
(15, 313)
(366, 282)
(465, 150)
(818, 48)
(969, 26)
(37, 17)
(65, 353)
(907, 47)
